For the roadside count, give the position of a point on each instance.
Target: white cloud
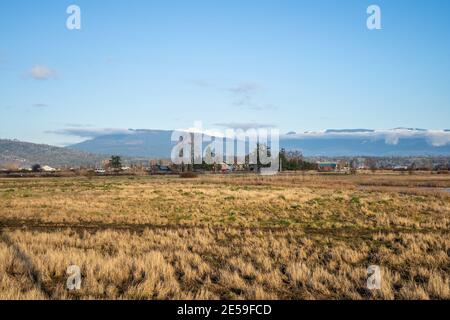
(392, 139)
(244, 94)
(203, 83)
(40, 105)
(42, 72)
(437, 138)
(85, 132)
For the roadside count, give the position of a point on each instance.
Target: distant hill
(403, 142)
(358, 146)
(135, 143)
(26, 154)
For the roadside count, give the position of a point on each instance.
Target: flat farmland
(291, 236)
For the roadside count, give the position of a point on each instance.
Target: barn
(327, 166)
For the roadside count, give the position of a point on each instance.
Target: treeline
(296, 164)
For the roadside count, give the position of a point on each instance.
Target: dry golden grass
(228, 264)
(233, 237)
(242, 201)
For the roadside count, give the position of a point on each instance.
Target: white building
(48, 169)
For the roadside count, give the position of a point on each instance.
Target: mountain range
(333, 143)
(139, 144)
(132, 143)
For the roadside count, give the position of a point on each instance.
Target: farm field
(291, 236)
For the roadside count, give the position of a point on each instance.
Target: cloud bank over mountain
(436, 138)
(332, 142)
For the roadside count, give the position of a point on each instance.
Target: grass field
(300, 236)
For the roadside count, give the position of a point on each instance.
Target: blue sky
(298, 65)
